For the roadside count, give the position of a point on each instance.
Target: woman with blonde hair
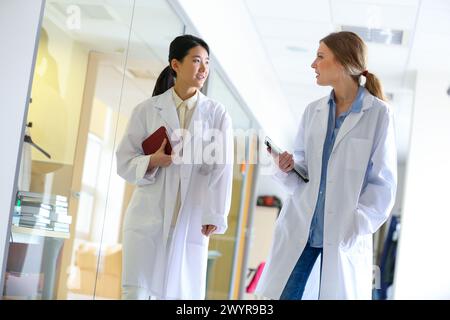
(346, 144)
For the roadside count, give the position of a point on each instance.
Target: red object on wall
(268, 201)
(253, 283)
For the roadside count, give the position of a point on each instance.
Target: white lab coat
(355, 206)
(176, 271)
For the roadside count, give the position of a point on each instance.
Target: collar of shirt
(356, 105)
(190, 103)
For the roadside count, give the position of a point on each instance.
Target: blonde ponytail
(373, 85)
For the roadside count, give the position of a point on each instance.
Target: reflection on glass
(91, 71)
(67, 159)
(217, 88)
(225, 251)
(154, 26)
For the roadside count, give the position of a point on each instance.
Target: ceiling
(104, 26)
(290, 31)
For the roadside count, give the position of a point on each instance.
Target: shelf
(40, 232)
(44, 167)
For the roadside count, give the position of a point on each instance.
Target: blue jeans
(297, 280)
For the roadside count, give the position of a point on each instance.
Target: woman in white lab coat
(179, 199)
(346, 144)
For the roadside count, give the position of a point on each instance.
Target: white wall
(19, 25)
(423, 261)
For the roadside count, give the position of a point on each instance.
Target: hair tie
(364, 73)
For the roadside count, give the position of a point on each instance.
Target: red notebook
(154, 141)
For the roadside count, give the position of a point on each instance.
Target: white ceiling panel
(389, 60)
(435, 19)
(374, 14)
(291, 49)
(318, 10)
(390, 2)
(290, 66)
(430, 52)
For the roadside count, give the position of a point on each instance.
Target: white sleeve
(132, 163)
(218, 194)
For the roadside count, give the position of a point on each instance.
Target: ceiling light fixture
(384, 36)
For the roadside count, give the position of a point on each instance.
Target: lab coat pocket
(357, 154)
(349, 235)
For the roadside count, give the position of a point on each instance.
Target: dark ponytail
(179, 48)
(165, 81)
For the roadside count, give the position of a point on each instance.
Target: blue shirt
(316, 229)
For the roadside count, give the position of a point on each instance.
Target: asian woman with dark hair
(176, 204)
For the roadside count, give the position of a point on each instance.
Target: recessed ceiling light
(90, 11)
(385, 36)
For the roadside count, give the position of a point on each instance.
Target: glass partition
(58, 218)
(96, 61)
(226, 251)
(154, 26)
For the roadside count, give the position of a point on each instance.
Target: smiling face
(328, 69)
(193, 70)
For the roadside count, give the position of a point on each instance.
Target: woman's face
(194, 69)
(328, 69)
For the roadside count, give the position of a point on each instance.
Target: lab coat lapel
(167, 110)
(198, 118)
(322, 123)
(171, 187)
(192, 141)
(352, 119)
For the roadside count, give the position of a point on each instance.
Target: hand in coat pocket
(349, 236)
